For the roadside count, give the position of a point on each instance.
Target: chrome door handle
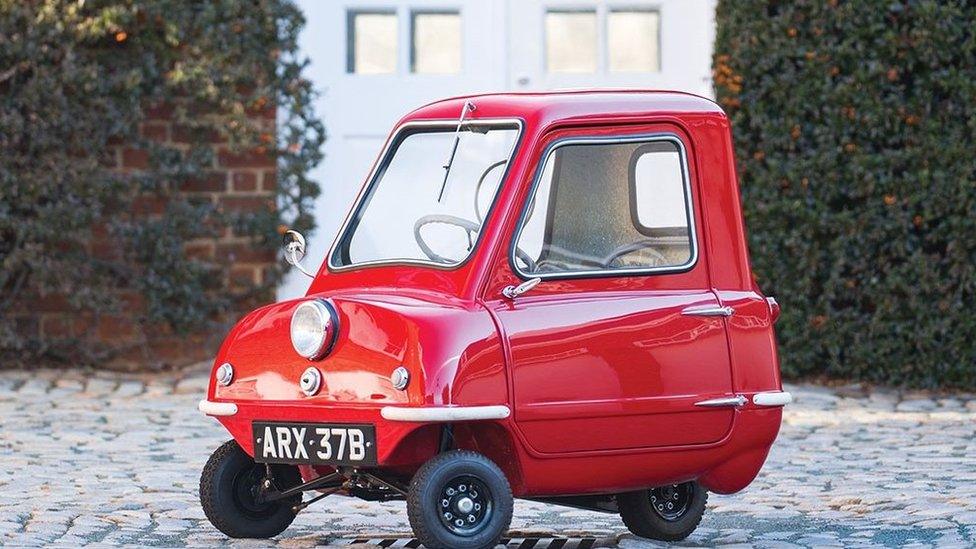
(736, 401)
(707, 310)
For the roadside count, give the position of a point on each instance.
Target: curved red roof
(561, 106)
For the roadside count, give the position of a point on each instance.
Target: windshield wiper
(468, 107)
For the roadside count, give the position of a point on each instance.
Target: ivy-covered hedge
(76, 81)
(855, 127)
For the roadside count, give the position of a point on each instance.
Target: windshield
(411, 213)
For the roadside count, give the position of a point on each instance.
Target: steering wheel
(632, 247)
(470, 228)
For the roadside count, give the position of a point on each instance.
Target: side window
(608, 206)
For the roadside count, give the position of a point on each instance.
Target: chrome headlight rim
(327, 318)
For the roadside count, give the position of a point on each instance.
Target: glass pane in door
(571, 41)
(436, 43)
(633, 41)
(372, 43)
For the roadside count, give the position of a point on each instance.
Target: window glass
(607, 206)
(658, 187)
(411, 214)
(571, 38)
(436, 43)
(632, 41)
(372, 43)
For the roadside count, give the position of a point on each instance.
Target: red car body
(588, 385)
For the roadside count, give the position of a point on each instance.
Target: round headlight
(314, 325)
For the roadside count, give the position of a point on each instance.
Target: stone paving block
(113, 460)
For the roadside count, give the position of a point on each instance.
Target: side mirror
(294, 244)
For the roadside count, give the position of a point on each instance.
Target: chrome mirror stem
(295, 251)
(292, 258)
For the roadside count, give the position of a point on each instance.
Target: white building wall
(506, 46)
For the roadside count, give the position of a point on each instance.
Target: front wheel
(229, 486)
(459, 500)
(667, 513)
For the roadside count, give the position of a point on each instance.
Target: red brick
(115, 328)
(185, 134)
(248, 204)
(100, 230)
(199, 250)
(243, 253)
(269, 181)
(50, 303)
(148, 205)
(250, 159)
(56, 325)
(135, 158)
(211, 182)
(132, 300)
(105, 249)
(244, 181)
(159, 111)
(169, 349)
(242, 277)
(155, 131)
(82, 323)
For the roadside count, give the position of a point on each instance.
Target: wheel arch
(496, 442)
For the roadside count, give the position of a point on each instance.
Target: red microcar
(544, 296)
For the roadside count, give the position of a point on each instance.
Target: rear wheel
(459, 500)
(666, 513)
(229, 486)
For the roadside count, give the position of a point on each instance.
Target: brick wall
(237, 182)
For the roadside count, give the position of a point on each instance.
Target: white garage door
(375, 61)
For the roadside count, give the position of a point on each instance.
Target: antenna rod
(468, 107)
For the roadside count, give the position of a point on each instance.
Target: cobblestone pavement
(116, 460)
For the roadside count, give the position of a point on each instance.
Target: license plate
(314, 443)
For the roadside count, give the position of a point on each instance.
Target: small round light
(314, 325)
(400, 378)
(224, 374)
(310, 381)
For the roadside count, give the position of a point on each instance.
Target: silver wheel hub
(465, 505)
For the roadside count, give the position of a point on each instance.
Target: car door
(623, 344)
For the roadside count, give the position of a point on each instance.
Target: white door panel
(503, 48)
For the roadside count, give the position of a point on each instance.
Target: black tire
(454, 477)
(227, 487)
(646, 514)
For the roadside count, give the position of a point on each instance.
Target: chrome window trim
(382, 161)
(596, 273)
